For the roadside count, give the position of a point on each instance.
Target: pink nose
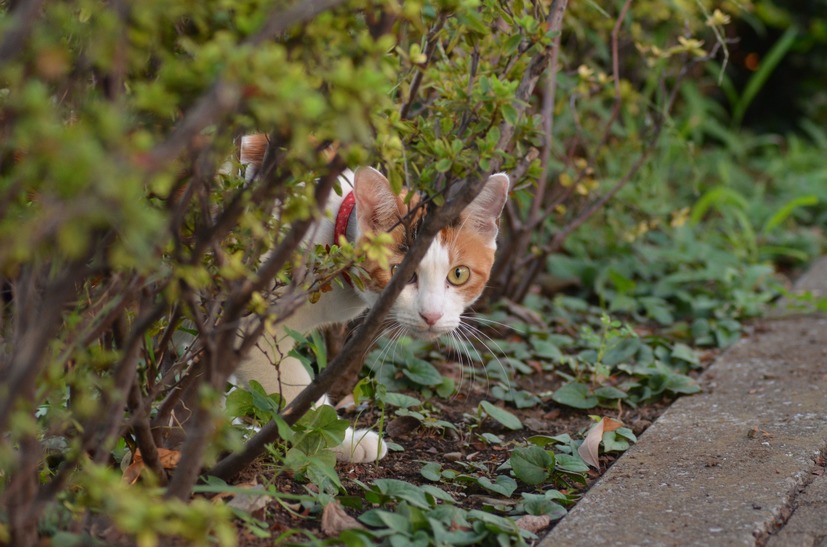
(431, 317)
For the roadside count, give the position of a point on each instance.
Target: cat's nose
(431, 317)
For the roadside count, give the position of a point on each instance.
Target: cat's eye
(396, 267)
(459, 275)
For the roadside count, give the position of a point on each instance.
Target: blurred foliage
(125, 231)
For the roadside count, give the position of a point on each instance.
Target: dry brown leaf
(335, 520)
(133, 472)
(250, 502)
(591, 444)
(169, 460)
(533, 523)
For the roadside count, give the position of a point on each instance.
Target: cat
(450, 277)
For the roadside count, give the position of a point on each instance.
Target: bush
(124, 228)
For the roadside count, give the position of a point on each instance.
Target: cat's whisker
(391, 333)
(481, 319)
(481, 337)
(453, 335)
(467, 335)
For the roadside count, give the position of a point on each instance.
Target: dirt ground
(449, 448)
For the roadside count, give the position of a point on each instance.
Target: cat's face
(454, 271)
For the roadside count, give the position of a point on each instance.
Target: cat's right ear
(484, 212)
(377, 207)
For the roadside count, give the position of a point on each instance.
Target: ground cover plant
(648, 225)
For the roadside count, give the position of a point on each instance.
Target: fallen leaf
(133, 472)
(335, 520)
(402, 426)
(533, 523)
(591, 444)
(169, 460)
(250, 502)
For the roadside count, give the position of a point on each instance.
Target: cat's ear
(483, 213)
(377, 207)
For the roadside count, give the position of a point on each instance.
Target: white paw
(360, 446)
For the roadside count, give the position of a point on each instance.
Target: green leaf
(540, 504)
(503, 485)
(765, 68)
(431, 471)
(400, 400)
(685, 353)
(531, 464)
(501, 415)
(571, 464)
(575, 395)
(786, 210)
(443, 165)
(402, 490)
(422, 373)
(509, 114)
(546, 349)
(609, 392)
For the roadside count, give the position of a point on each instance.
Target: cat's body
(449, 278)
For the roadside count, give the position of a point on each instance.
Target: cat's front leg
(288, 378)
(361, 446)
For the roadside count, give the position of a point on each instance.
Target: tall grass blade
(765, 69)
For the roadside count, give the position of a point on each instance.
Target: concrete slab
(725, 467)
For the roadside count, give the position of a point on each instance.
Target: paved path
(740, 464)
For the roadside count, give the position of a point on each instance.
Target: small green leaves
(532, 465)
(504, 417)
(423, 373)
(502, 485)
(575, 395)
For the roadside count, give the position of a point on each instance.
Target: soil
(448, 448)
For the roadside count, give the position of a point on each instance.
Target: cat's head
(454, 271)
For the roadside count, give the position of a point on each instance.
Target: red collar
(342, 220)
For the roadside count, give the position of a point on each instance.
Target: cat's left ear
(484, 211)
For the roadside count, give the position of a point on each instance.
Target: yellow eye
(396, 267)
(459, 275)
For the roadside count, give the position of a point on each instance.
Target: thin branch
(224, 96)
(369, 328)
(616, 70)
(430, 45)
(224, 358)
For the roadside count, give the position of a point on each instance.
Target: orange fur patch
(465, 248)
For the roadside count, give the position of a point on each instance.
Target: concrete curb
(740, 464)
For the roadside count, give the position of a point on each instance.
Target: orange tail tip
(253, 148)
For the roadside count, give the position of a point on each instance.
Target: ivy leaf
(502, 485)
(431, 471)
(539, 504)
(501, 415)
(575, 395)
(685, 353)
(422, 373)
(531, 464)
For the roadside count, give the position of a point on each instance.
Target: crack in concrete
(791, 504)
